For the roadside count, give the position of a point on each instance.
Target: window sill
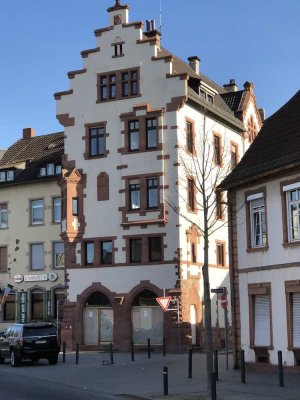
(257, 249)
(144, 222)
(291, 244)
(117, 98)
(253, 347)
(34, 225)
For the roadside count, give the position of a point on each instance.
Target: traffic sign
(164, 302)
(218, 290)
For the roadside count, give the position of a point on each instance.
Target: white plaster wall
(120, 280)
(277, 279)
(277, 254)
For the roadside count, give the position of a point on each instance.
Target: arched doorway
(98, 320)
(147, 319)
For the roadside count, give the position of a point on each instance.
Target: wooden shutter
(296, 319)
(103, 187)
(3, 259)
(262, 330)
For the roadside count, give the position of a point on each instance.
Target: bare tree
(206, 164)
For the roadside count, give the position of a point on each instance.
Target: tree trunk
(207, 314)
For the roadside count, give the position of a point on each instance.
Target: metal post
(280, 369)
(226, 336)
(111, 349)
(165, 377)
(164, 347)
(77, 353)
(64, 352)
(213, 386)
(243, 371)
(190, 371)
(132, 350)
(149, 350)
(216, 365)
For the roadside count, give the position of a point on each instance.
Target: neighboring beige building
(264, 191)
(31, 250)
(128, 115)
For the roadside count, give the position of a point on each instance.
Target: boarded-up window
(3, 259)
(103, 187)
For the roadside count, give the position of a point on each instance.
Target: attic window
(50, 169)
(206, 96)
(6, 176)
(52, 145)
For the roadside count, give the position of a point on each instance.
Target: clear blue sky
(41, 40)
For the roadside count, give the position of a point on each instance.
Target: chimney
(151, 31)
(194, 62)
(231, 86)
(249, 86)
(28, 133)
(262, 113)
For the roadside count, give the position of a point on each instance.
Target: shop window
(9, 307)
(37, 301)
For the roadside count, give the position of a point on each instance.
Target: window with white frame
(37, 212)
(37, 256)
(58, 254)
(257, 220)
(293, 211)
(3, 216)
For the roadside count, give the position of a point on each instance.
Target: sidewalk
(143, 378)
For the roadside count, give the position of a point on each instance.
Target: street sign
(164, 302)
(218, 290)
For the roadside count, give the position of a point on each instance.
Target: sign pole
(226, 335)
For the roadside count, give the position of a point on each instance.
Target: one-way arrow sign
(164, 302)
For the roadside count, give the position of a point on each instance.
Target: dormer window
(6, 176)
(206, 96)
(50, 169)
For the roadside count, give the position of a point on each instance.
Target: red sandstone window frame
(108, 90)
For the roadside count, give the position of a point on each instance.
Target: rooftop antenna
(160, 17)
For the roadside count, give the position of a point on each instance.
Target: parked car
(29, 342)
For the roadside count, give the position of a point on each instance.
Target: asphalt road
(15, 386)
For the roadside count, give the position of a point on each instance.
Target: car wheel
(15, 360)
(53, 360)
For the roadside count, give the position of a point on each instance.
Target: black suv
(29, 341)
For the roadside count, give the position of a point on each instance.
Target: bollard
(213, 386)
(165, 378)
(111, 350)
(190, 363)
(149, 352)
(132, 351)
(216, 364)
(64, 352)
(164, 347)
(77, 353)
(243, 371)
(280, 369)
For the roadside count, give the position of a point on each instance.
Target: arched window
(147, 319)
